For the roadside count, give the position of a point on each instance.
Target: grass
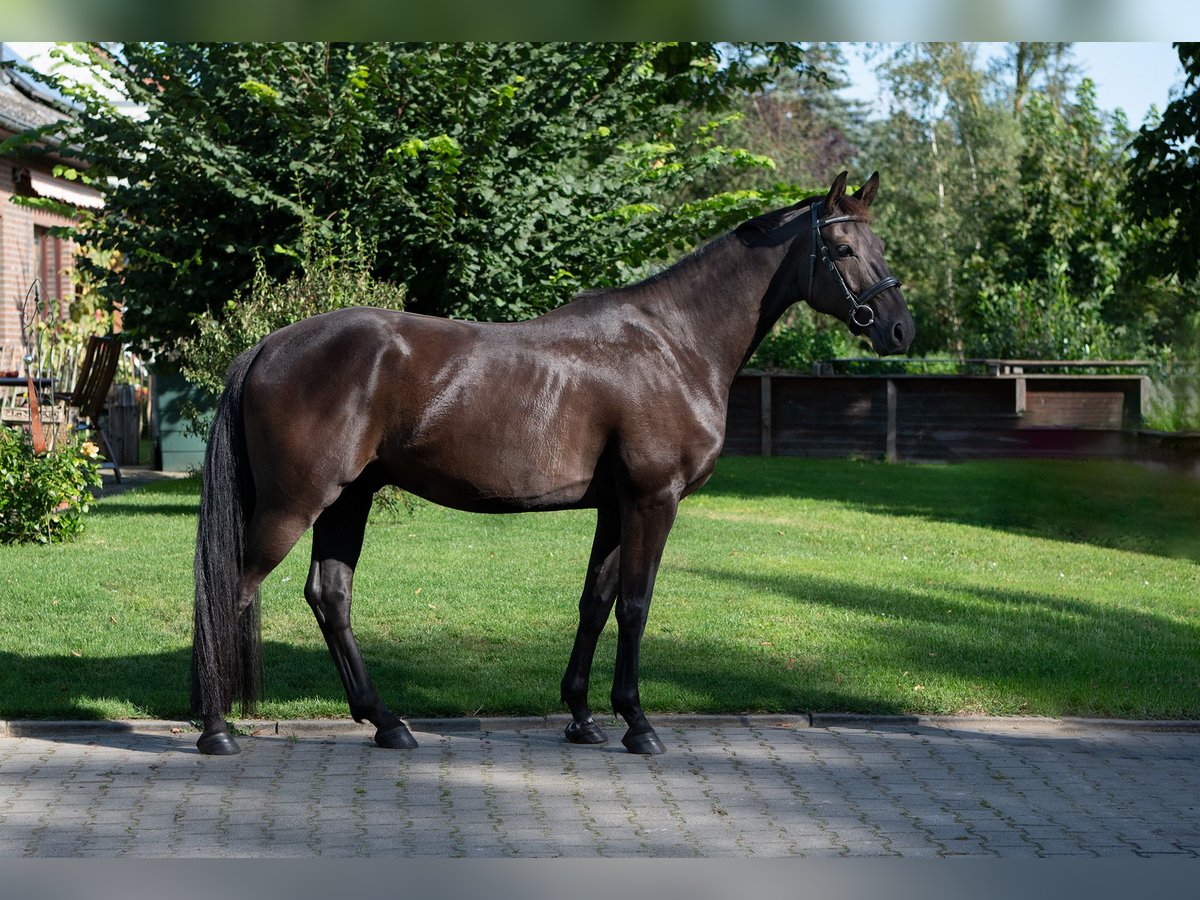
(788, 585)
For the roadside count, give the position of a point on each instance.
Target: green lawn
(788, 585)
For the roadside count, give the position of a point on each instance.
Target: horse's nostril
(898, 334)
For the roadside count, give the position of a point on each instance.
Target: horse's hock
(928, 418)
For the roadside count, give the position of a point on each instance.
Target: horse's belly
(497, 475)
(473, 492)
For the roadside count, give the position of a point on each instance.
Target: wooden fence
(946, 417)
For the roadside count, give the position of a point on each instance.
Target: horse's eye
(845, 250)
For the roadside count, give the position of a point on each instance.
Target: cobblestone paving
(983, 789)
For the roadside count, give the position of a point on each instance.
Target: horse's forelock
(852, 206)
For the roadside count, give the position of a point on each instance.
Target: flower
(89, 449)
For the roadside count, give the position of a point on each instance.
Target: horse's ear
(836, 192)
(867, 192)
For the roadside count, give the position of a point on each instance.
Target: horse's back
(466, 415)
(481, 416)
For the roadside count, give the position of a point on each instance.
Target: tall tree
(799, 120)
(1031, 62)
(1050, 283)
(952, 149)
(494, 180)
(1164, 175)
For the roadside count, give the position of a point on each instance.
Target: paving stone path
(994, 788)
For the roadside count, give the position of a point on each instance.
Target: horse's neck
(725, 299)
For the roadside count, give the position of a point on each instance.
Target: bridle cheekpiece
(861, 314)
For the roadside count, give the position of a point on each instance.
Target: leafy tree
(951, 142)
(1164, 175)
(1007, 218)
(1035, 66)
(493, 180)
(799, 121)
(1051, 262)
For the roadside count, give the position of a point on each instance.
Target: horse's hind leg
(595, 604)
(270, 534)
(337, 542)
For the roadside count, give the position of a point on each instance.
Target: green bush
(800, 339)
(324, 282)
(1175, 377)
(44, 496)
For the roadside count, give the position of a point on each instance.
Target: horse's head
(846, 274)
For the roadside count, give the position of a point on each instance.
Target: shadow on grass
(1025, 652)
(423, 679)
(1060, 655)
(1114, 505)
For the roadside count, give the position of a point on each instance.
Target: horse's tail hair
(226, 637)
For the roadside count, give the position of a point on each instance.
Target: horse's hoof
(218, 743)
(586, 732)
(396, 738)
(646, 743)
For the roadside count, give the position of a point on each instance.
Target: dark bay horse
(615, 401)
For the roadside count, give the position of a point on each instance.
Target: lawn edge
(50, 728)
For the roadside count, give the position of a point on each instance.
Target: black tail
(226, 639)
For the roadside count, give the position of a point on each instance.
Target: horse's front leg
(643, 536)
(595, 604)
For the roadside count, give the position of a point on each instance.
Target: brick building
(28, 251)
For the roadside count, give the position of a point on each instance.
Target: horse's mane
(848, 205)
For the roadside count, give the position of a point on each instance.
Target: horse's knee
(632, 613)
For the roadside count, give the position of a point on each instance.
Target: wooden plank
(932, 417)
(889, 450)
(764, 400)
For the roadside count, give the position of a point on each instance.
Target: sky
(1128, 76)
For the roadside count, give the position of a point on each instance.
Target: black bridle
(858, 303)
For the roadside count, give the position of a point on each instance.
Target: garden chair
(90, 394)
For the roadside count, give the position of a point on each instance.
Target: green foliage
(43, 497)
(1009, 222)
(494, 180)
(323, 282)
(799, 121)
(1164, 175)
(1069, 262)
(947, 153)
(1039, 318)
(1175, 399)
(800, 339)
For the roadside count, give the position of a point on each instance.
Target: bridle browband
(858, 303)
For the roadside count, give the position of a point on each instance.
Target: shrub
(43, 497)
(1175, 394)
(800, 339)
(324, 282)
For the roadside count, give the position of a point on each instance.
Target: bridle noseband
(861, 314)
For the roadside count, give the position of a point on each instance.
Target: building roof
(24, 103)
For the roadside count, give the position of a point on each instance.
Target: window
(51, 257)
